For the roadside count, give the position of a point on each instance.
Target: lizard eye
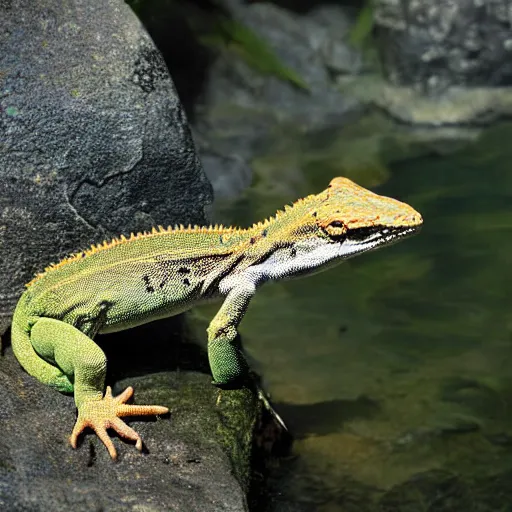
(336, 229)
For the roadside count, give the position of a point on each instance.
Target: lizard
(128, 281)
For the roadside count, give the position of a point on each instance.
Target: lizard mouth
(367, 239)
(382, 234)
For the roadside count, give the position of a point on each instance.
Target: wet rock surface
(455, 107)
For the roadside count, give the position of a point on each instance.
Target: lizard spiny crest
(108, 244)
(157, 231)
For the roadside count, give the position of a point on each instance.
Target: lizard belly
(122, 322)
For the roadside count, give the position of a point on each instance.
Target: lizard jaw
(368, 240)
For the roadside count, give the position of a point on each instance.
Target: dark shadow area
(175, 27)
(159, 346)
(271, 449)
(6, 341)
(165, 345)
(323, 418)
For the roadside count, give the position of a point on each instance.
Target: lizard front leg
(85, 365)
(227, 361)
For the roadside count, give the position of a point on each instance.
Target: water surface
(394, 369)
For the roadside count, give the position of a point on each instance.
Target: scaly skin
(131, 281)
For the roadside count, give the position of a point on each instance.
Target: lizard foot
(105, 413)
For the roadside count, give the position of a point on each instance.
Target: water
(394, 369)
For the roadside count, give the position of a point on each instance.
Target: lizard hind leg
(85, 363)
(33, 363)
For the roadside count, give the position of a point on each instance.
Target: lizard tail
(31, 361)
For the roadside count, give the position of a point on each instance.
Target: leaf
(363, 25)
(252, 49)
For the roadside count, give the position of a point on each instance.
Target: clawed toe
(104, 413)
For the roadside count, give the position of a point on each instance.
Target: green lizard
(131, 281)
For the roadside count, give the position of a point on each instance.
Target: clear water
(394, 370)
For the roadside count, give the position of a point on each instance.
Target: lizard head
(324, 229)
(359, 220)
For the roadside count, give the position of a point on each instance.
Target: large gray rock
(433, 44)
(93, 139)
(443, 63)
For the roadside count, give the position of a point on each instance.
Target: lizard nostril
(415, 218)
